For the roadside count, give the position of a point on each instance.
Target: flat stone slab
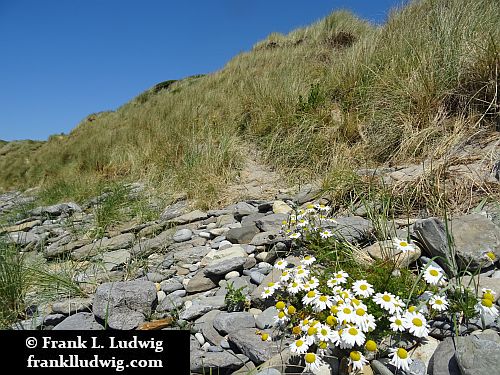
(81, 321)
(201, 306)
(230, 322)
(249, 343)
(224, 266)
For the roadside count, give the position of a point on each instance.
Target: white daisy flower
(280, 264)
(310, 336)
(309, 298)
(346, 313)
(403, 245)
(434, 276)
(324, 333)
(311, 284)
(332, 283)
(304, 324)
(486, 306)
(285, 276)
(281, 318)
(267, 293)
(353, 336)
(274, 285)
(301, 223)
(325, 234)
(322, 302)
(398, 304)
(322, 207)
(294, 287)
(299, 347)
(308, 260)
(416, 325)
(362, 288)
(438, 303)
(397, 323)
(301, 273)
(295, 235)
(386, 301)
(400, 359)
(357, 360)
(313, 362)
(365, 321)
(341, 277)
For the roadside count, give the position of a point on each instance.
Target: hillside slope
(339, 94)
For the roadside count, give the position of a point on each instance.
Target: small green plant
(235, 298)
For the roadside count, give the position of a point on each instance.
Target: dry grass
(336, 95)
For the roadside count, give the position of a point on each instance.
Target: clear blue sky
(62, 60)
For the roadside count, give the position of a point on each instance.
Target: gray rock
(225, 220)
(417, 367)
(307, 193)
(154, 277)
(265, 238)
(242, 235)
(53, 319)
(170, 285)
(385, 250)
(23, 238)
(425, 351)
(257, 277)
(271, 223)
(205, 324)
(199, 283)
(146, 247)
(479, 282)
(174, 210)
(56, 210)
(251, 219)
(113, 260)
(230, 322)
(379, 368)
(190, 217)
(224, 344)
(444, 362)
(192, 254)
(183, 235)
(266, 318)
(249, 343)
(214, 256)
(215, 349)
(478, 354)
(59, 248)
(71, 306)
(224, 266)
(124, 305)
(81, 321)
(105, 244)
(473, 236)
(200, 338)
(231, 275)
(237, 283)
(34, 323)
(208, 362)
(201, 306)
(171, 302)
(352, 229)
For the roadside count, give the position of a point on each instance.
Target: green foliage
(235, 298)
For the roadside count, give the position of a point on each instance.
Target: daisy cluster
(311, 220)
(324, 313)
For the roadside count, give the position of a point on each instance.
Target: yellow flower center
(291, 309)
(280, 305)
(363, 287)
(324, 332)
(310, 357)
(371, 346)
(398, 322)
(338, 276)
(323, 345)
(265, 336)
(355, 301)
(323, 299)
(386, 298)
(305, 322)
(296, 330)
(438, 302)
(284, 273)
(331, 320)
(403, 243)
(334, 309)
(403, 354)
(270, 285)
(417, 322)
(434, 273)
(360, 312)
(300, 272)
(311, 331)
(307, 257)
(353, 331)
(355, 356)
(299, 343)
(295, 284)
(491, 255)
(281, 314)
(488, 296)
(487, 302)
(311, 294)
(346, 310)
(412, 308)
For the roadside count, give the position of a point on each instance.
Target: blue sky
(62, 60)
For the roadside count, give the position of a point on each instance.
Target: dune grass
(336, 95)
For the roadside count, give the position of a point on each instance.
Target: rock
(425, 351)
(226, 323)
(171, 302)
(106, 244)
(269, 371)
(265, 238)
(271, 223)
(192, 254)
(473, 236)
(224, 266)
(200, 338)
(60, 248)
(257, 277)
(34, 323)
(307, 193)
(199, 283)
(379, 368)
(443, 361)
(232, 275)
(71, 306)
(53, 319)
(384, 250)
(146, 247)
(160, 296)
(174, 210)
(250, 262)
(23, 227)
(214, 256)
(205, 324)
(243, 209)
(170, 285)
(124, 305)
(23, 238)
(225, 220)
(81, 321)
(190, 217)
(237, 282)
(242, 235)
(280, 207)
(201, 306)
(216, 362)
(266, 318)
(352, 229)
(56, 210)
(249, 343)
(115, 259)
(478, 354)
(183, 235)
